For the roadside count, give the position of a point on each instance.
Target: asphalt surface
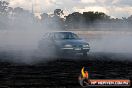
(63, 72)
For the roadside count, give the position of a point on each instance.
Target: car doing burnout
(64, 43)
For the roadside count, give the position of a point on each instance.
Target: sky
(114, 8)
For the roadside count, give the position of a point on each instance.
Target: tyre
(85, 54)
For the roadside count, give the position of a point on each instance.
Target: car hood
(71, 41)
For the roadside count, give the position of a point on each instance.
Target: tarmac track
(63, 73)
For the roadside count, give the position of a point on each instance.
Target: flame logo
(84, 78)
(84, 73)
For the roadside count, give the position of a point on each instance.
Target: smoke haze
(113, 43)
(20, 34)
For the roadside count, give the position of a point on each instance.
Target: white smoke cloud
(95, 8)
(113, 11)
(88, 1)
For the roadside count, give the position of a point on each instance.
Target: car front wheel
(85, 54)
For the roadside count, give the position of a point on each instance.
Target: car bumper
(75, 50)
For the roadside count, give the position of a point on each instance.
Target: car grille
(77, 46)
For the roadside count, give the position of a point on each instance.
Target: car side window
(59, 36)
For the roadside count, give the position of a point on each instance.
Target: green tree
(130, 18)
(3, 7)
(58, 12)
(57, 20)
(44, 16)
(73, 20)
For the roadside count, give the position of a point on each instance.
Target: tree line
(20, 18)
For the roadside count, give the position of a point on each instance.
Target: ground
(63, 72)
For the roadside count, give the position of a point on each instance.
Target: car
(64, 43)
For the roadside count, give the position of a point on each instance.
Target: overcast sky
(114, 8)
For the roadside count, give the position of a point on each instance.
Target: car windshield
(66, 35)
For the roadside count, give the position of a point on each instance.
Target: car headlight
(68, 45)
(86, 45)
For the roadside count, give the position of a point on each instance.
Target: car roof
(61, 32)
(50, 33)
